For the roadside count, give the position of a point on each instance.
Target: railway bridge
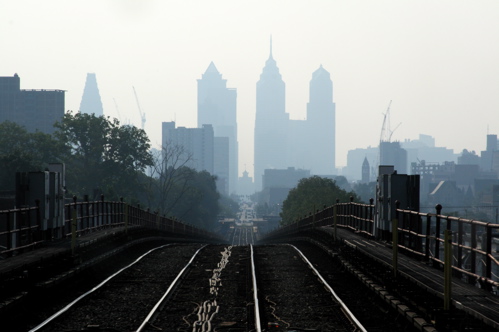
(425, 272)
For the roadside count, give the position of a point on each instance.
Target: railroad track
(242, 236)
(212, 288)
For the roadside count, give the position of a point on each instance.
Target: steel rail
(173, 284)
(349, 314)
(258, 326)
(66, 308)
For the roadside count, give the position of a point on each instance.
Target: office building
(36, 110)
(217, 107)
(192, 147)
(281, 142)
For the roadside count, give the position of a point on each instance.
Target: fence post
(428, 236)
(474, 244)
(438, 209)
(38, 219)
(103, 211)
(335, 219)
(447, 268)
(371, 217)
(9, 233)
(488, 259)
(73, 227)
(313, 217)
(460, 243)
(395, 239)
(124, 208)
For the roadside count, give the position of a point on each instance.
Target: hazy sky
(438, 61)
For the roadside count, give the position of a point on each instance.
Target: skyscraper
(366, 171)
(90, 101)
(271, 122)
(217, 107)
(191, 147)
(391, 153)
(321, 126)
(32, 109)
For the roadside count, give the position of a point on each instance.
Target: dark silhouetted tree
(23, 151)
(312, 193)
(103, 155)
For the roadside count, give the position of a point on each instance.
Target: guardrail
(474, 244)
(20, 229)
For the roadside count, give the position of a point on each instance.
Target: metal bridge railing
(20, 229)
(474, 244)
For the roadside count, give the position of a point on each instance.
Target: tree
(170, 177)
(103, 154)
(22, 151)
(228, 207)
(178, 191)
(365, 191)
(199, 204)
(312, 193)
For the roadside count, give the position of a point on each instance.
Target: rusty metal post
(335, 220)
(350, 213)
(395, 240)
(313, 217)
(103, 211)
(371, 216)
(447, 268)
(73, 227)
(460, 242)
(427, 244)
(438, 209)
(124, 208)
(87, 212)
(9, 234)
(488, 257)
(474, 243)
(38, 219)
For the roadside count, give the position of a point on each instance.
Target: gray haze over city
(436, 61)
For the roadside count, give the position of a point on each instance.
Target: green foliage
(22, 151)
(365, 191)
(181, 192)
(312, 193)
(199, 202)
(103, 155)
(228, 207)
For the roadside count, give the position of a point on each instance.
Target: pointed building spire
(211, 69)
(91, 101)
(270, 55)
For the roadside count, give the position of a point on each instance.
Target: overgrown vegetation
(104, 157)
(311, 194)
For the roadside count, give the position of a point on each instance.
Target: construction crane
(386, 131)
(117, 109)
(142, 114)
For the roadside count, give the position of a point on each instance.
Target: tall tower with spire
(217, 106)
(90, 101)
(366, 171)
(321, 126)
(271, 121)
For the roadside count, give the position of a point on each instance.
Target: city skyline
(437, 62)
